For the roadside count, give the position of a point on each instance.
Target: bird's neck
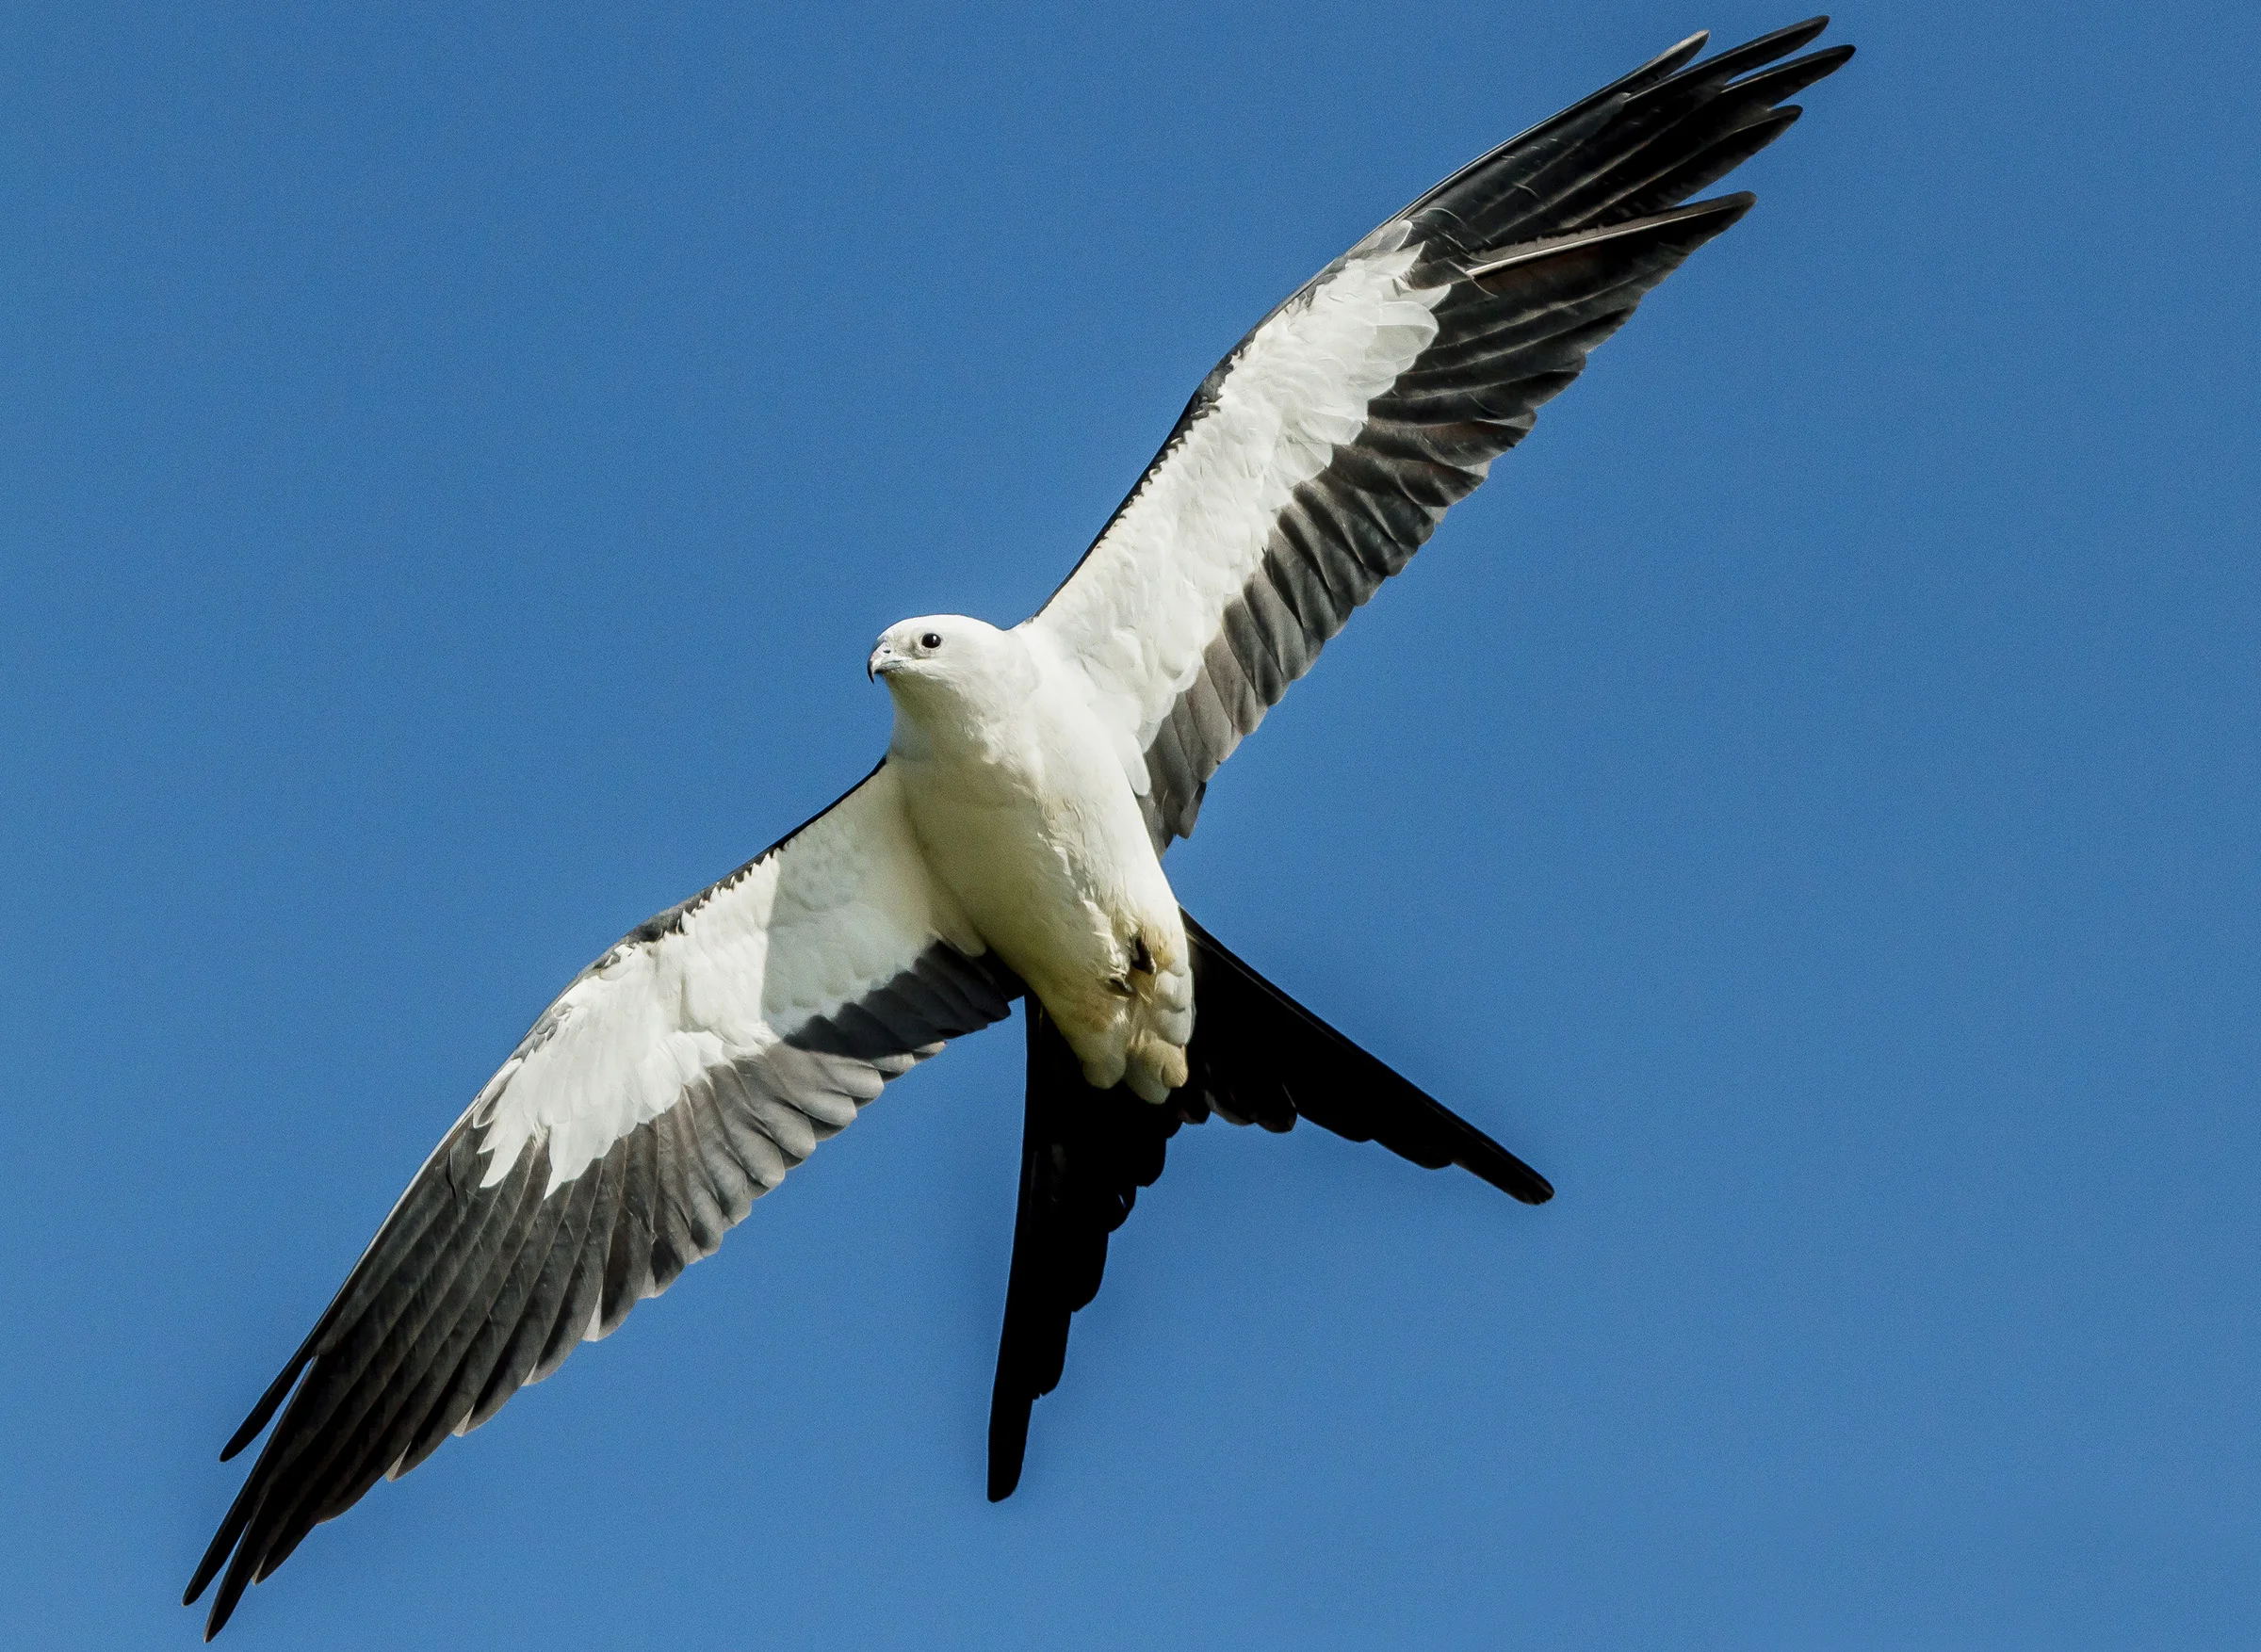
(954, 728)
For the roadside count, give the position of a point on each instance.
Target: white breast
(1022, 808)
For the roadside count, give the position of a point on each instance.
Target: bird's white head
(936, 648)
(946, 673)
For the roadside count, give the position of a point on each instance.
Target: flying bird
(1009, 844)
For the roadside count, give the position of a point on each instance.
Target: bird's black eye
(932, 639)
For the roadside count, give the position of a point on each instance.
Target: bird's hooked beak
(883, 658)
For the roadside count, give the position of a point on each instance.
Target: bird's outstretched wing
(1257, 1058)
(673, 1083)
(1317, 456)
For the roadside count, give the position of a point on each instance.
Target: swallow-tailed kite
(1009, 844)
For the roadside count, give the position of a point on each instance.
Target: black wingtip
(208, 1568)
(277, 1391)
(1486, 1159)
(1721, 213)
(1780, 44)
(1728, 66)
(1664, 63)
(1529, 1187)
(242, 1437)
(224, 1605)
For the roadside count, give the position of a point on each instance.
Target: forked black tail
(1257, 1058)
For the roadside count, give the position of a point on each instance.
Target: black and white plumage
(1009, 845)
(676, 1080)
(1317, 456)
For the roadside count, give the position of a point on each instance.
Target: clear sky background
(452, 465)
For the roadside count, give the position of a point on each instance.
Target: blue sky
(453, 463)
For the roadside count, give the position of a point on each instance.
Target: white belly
(1035, 830)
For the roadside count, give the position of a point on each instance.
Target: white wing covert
(675, 1082)
(1321, 453)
